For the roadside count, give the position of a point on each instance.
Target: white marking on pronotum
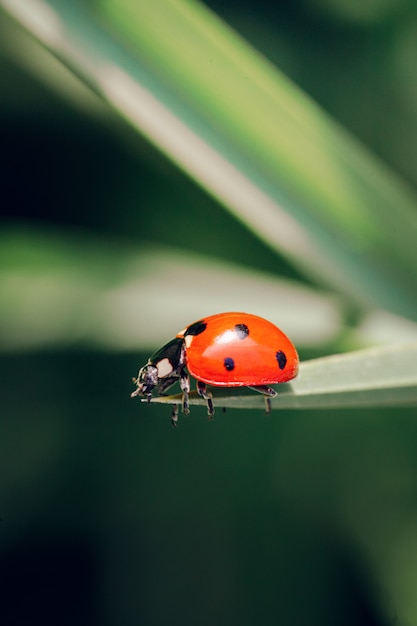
(164, 368)
(188, 339)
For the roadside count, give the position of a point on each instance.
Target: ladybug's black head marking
(162, 370)
(196, 329)
(147, 379)
(281, 359)
(241, 330)
(229, 363)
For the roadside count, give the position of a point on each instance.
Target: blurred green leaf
(61, 290)
(247, 135)
(376, 377)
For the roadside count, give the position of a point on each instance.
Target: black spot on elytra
(241, 330)
(229, 363)
(196, 329)
(281, 359)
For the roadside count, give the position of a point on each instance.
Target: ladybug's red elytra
(223, 350)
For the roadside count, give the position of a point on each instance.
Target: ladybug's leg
(268, 393)
(185, 388)
(202, 391)
(165, 383)
(174, 415)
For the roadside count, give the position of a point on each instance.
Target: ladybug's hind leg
(267, 392)
(202, 391)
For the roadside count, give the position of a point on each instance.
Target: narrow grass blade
(375, 377)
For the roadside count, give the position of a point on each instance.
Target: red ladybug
(223, 350)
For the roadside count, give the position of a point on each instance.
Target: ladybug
(223, 350)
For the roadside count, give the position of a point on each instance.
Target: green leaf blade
(375, 377)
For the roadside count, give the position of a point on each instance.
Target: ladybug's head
(162, 370)
(146, 381)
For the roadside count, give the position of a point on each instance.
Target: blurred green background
(108, 248)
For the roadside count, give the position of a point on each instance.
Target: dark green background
(109, 516)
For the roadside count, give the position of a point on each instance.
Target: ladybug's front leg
(202, 391)
(185, 388)
(174, 415)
